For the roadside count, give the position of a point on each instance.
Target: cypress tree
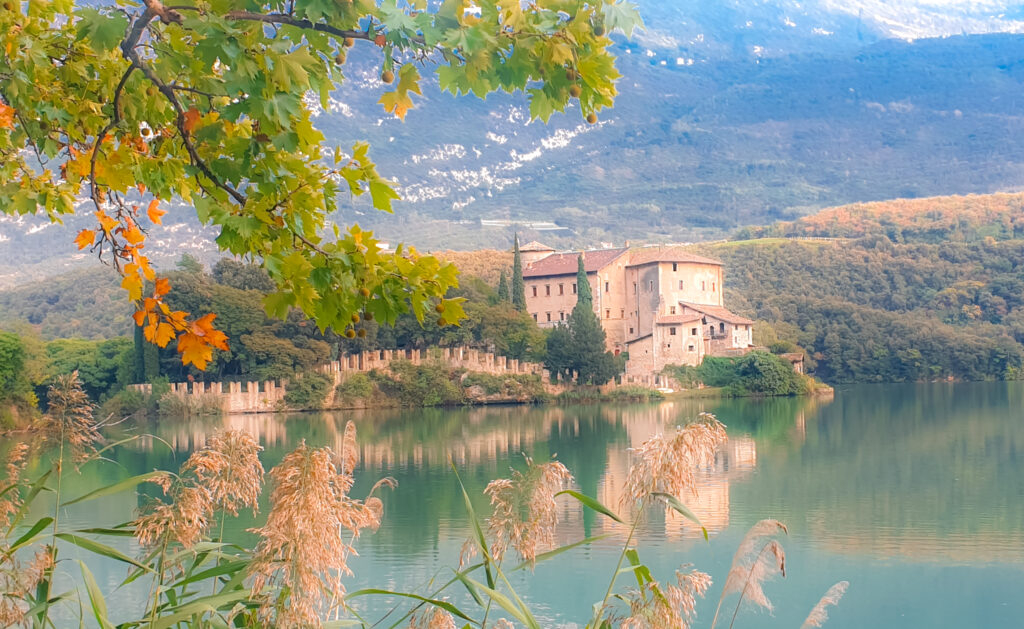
(583, 294)
(139, 357)
(503, 293)
(518, 286)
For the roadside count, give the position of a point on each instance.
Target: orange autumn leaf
(154, 212)
(133, 235)
(204, 327)
(133, 284)
(139, 316)
(6, 117)
(85, 238)
(141, 187)
(191, 119)
(107, 223)
(161, 287)
(160, 334)
(194, 350)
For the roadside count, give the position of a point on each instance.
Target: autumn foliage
(122, 111)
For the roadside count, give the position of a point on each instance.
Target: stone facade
(663, 305)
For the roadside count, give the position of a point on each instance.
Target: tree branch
(280, 18)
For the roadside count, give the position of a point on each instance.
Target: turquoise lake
(912, 493)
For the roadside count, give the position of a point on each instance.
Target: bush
(183, 405)
(357, 386)
(307, 391)
(430, 384)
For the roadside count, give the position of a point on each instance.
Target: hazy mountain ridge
(730, 114)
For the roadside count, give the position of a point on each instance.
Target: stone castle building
(662, 305)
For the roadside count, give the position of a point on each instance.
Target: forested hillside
(873, 310)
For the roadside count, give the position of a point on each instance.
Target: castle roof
(649, 255)
(718, 312)
(533, 245)
(679, 318)
(565, 263)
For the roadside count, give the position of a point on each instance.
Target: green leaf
(673, 502)
(504, 602)
(448, 607)
(103, 30)
(382, 193)
(116, 488)
(96, 600)
(558, 551)
(230, 567)
(589, 502)
(199, 607)
(40, 524)
(101, 549)
(478, 531)
(623, 16)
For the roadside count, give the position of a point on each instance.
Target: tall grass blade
(29, 535)
(96, 600)
(37, 487)
(115, 488)
(445, 605)
(198, 608)
(478, 531)
(590, 503)
(101, 549)
(681, 509)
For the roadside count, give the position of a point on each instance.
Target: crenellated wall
(268, 396)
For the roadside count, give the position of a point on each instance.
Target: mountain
(730, 114)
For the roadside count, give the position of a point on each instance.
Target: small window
(574, 288)
(712, 287)
(721, 328)
(680, 284)
(622, 313)
(672, 331)
(561, 289)
(671, 309)
(606, 287)
(534, 292)
(634, 288)
(702, 285)
(693, 331)
(631, 330)
(650, 285)
(549, 316)
(561, 316)
(534, 317)
(547, 290)
(691, 347)
(608, 314)
(674, 267)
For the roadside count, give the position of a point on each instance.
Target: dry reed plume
(229, 468)
(69, 418)
(759, 558)
(432, 618)
(667, 606)
(302, 549)
(525, 514)
(819, 614)
(17, 581)
(666, 464)
(225, 474)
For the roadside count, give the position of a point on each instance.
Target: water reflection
(913, 488)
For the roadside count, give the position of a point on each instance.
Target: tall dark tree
(583, 293)
(579, 345)
(503, 291)
(518, 286)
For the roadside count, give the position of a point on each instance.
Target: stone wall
(267, 397)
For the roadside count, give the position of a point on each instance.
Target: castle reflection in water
(478, 436)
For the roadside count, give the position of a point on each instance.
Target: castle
(661, 305)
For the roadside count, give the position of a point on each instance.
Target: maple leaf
(133, 235)
(6, 117)
(85, 238)
(203, 327)
(154, 212)
(191, 119)
(194, 350)
(161, 287)
(159, 333)
(133, 284)
(106, 222)
(139, 316)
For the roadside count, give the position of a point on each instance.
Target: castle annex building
(662, 305)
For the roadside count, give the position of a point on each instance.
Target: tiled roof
(718, 312)
(639, 338)
(565, 263)
(681, 318)
(533, 245)
(647, 255)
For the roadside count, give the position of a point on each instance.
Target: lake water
(912, 493)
